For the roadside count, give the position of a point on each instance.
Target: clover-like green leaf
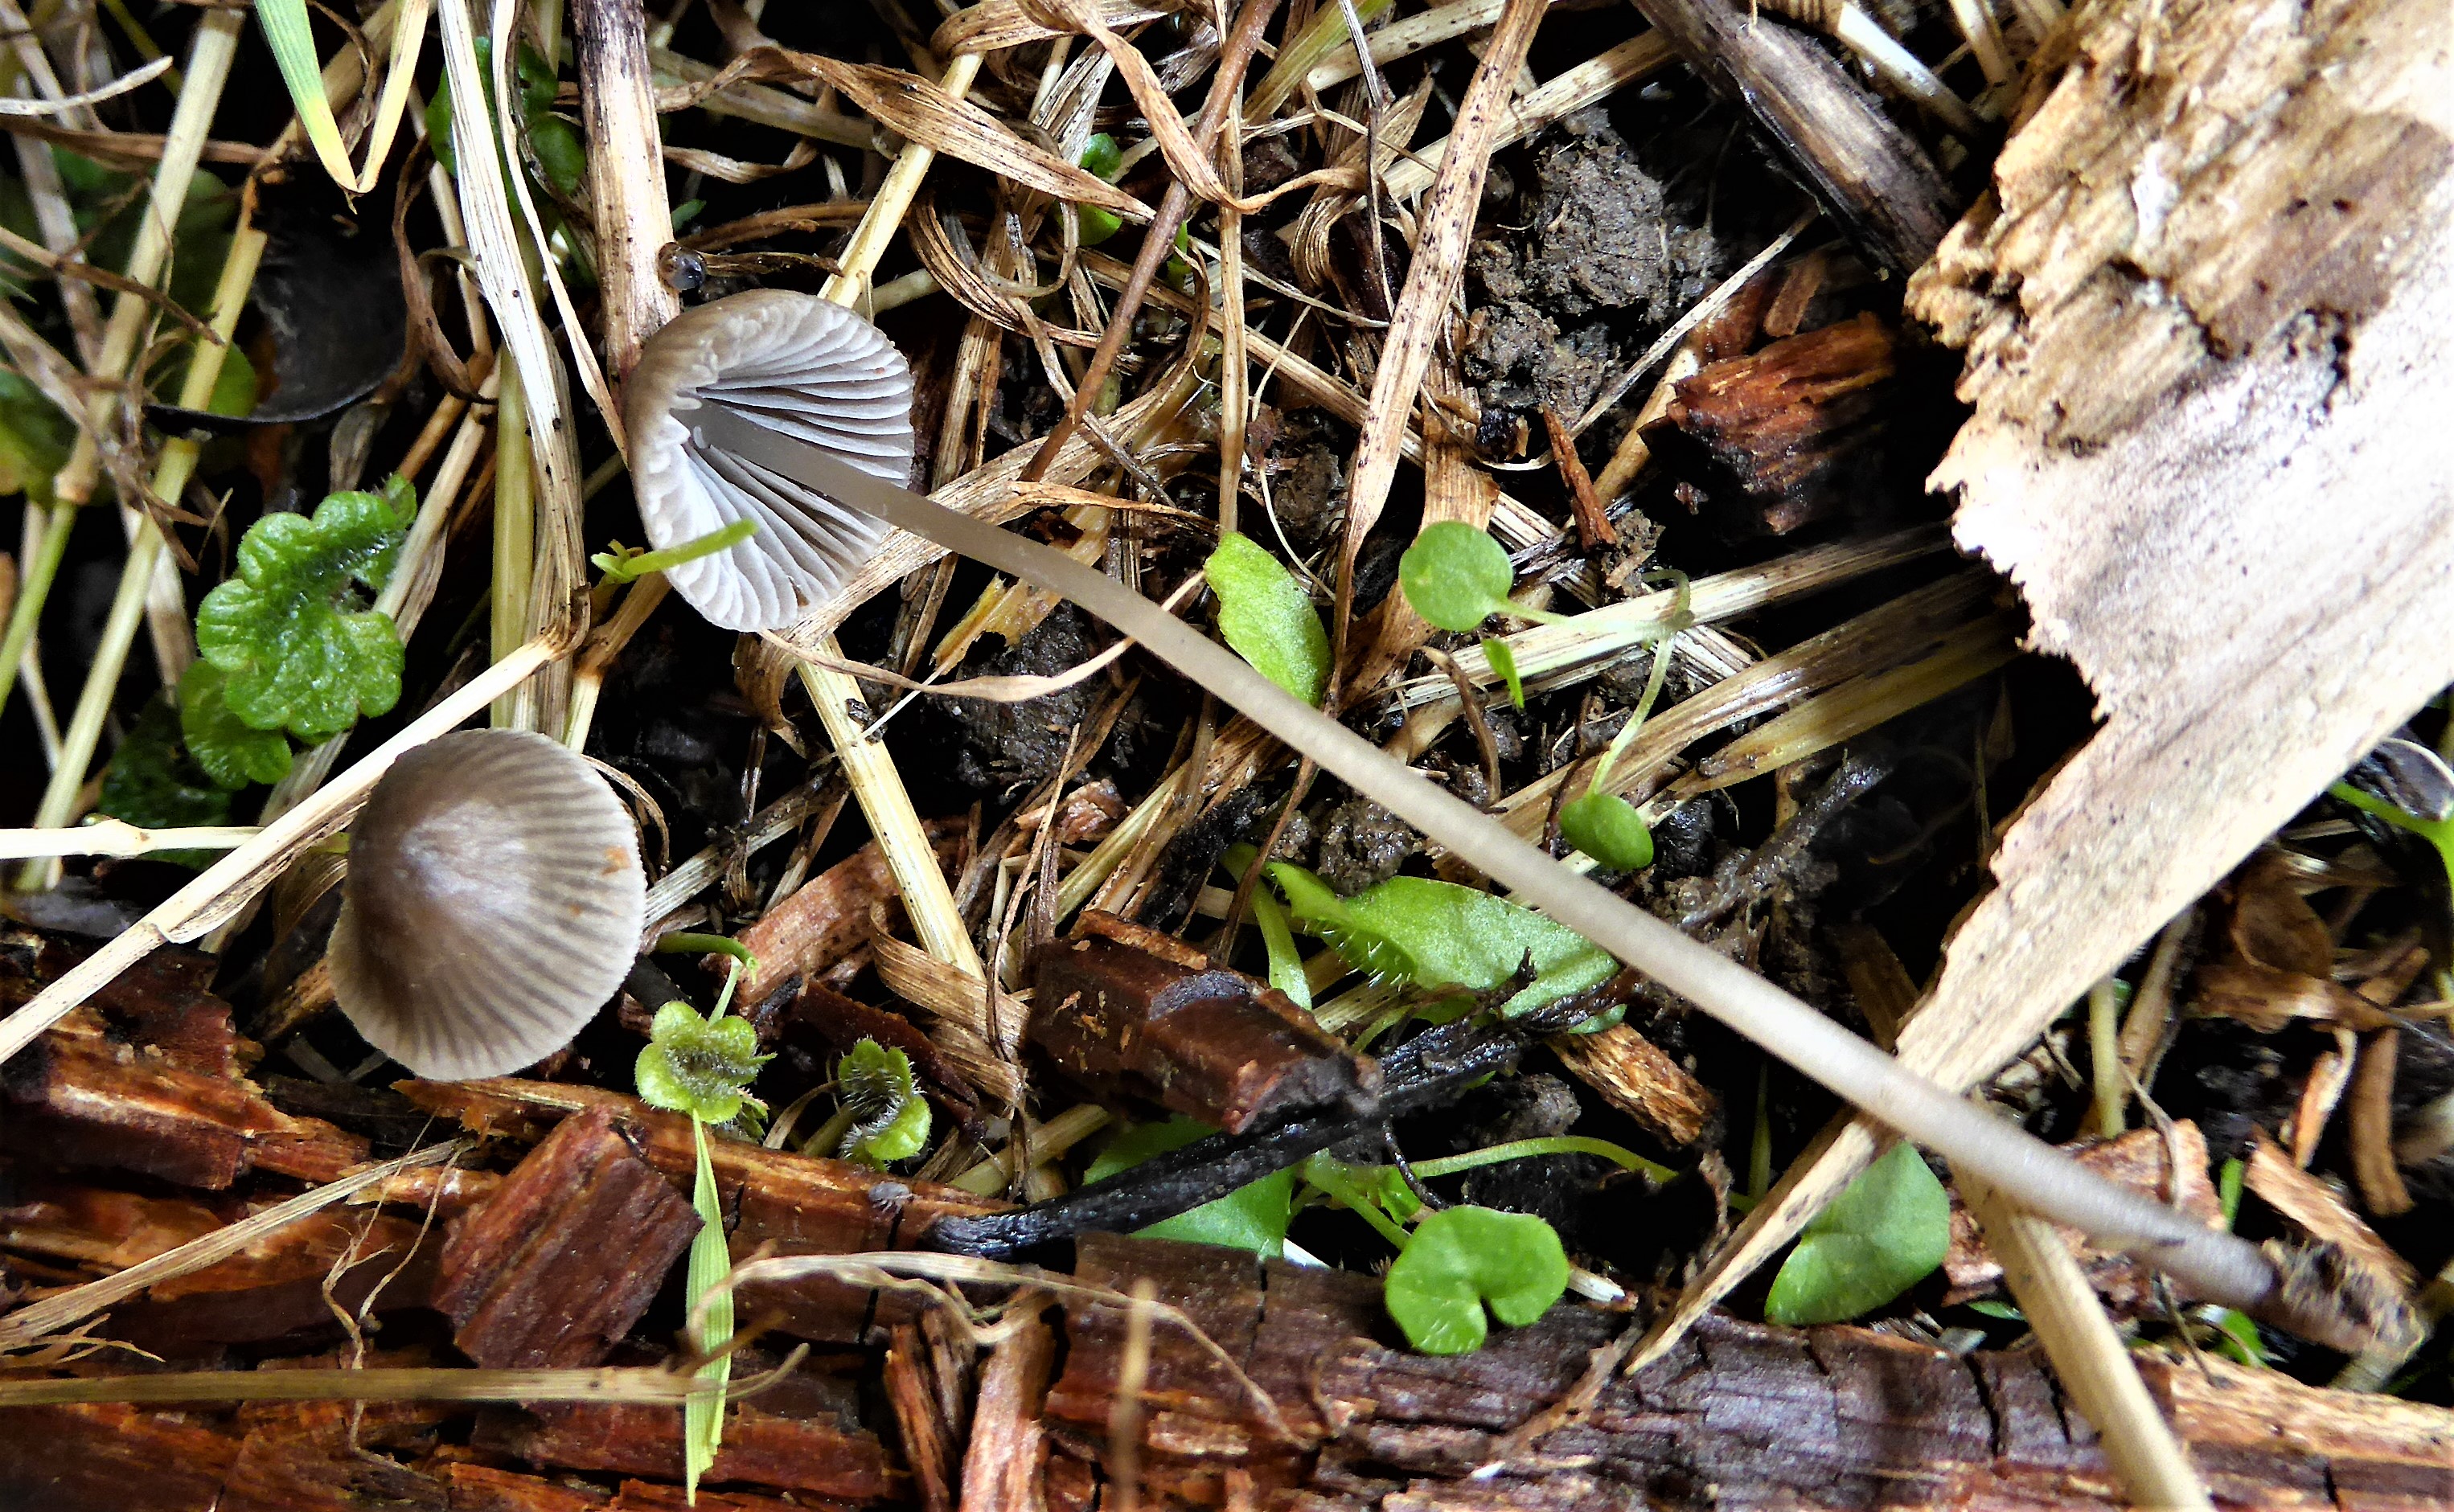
(889, 1116)
(1464, 1259)
(699, 1066)
(1607, 828)
(152, 781)
(1455, 575)
(297, 651)
(1252, 1217)
(1439, 934)
(230, 751)
(1877, 1240)
(1267, 618)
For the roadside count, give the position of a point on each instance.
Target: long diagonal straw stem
(2214, 1264)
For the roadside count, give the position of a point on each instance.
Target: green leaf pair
(293, 648)
(1878, 1239)
(1439, 934)
(1462, 1260)
(890, 1118)
(1267, 617)
(702, 1066)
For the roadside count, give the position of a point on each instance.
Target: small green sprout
(2438, 832)
(1878, 1239)
(1266, 616)
(1377, 1194)
(622, 564)
(557, 143)
(1607, 828)
(704, 1068)
(1456, 576)
(225, 747)
(1503, 662)
(296, 649)
(1103, 159)
(1461, 1260)
(885, 1117)
(1252, 1217)
(1437, 934)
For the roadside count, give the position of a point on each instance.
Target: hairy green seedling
(298, 648)
(1462, 1260)
(886, 1118)
(1266, 616)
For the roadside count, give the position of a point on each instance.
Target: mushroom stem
(2213, 1264)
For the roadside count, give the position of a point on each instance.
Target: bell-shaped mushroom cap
(803, 366)
(493, 903)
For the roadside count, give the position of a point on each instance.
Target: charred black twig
(1425, 1071)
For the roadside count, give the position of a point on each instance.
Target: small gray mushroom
(795, 363)
(494, 902)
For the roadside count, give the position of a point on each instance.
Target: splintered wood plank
(760, 1448)
(555, 1268)
(1735, 1416)
(2203, 311)
(108, 1459)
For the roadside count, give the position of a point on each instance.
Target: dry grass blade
(396, 1384)
(135, 79)
(994, 25)
(934, 117)
(1632, 62)
(1422, 314)
(32, 1325)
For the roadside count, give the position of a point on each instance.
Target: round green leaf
(1455, 575)
(1464, 1259)
(1877, 1240)
(1607, 828)
(1266, 616)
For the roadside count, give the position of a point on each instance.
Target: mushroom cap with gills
(801, 365)
(494, 902)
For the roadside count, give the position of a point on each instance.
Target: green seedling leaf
(699, 1066)
(1464, 1259)
(1504, 660)
(153, 785)
(1100, 156)
(1439, 934)
(228, 750)
(889, 1116)
(1607, 828)
(1377, 1194)
(559, 152)
(1877, 1240)
(298, 651)
(1456, 576)
(1265, 615)
(1252, 1217)
(293, 48)
(711, 1260)
(2438, 832)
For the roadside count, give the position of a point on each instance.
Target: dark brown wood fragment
(109, 1457)
(1787, 420)
(84, 1095)
(827, 918)
(285, 1281)
(1009, 1448)
(1871, 175)
(799, 1204)
(1213, 1044)
(95, 1227)
(484, 1488)
(792, 1454)
(553, 1269)
(1735, 1416)
(927, 1447)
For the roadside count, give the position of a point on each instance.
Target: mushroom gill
(493, 904)
(794, 363)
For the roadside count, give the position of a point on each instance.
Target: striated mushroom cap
(802, 366)
(494, 902)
